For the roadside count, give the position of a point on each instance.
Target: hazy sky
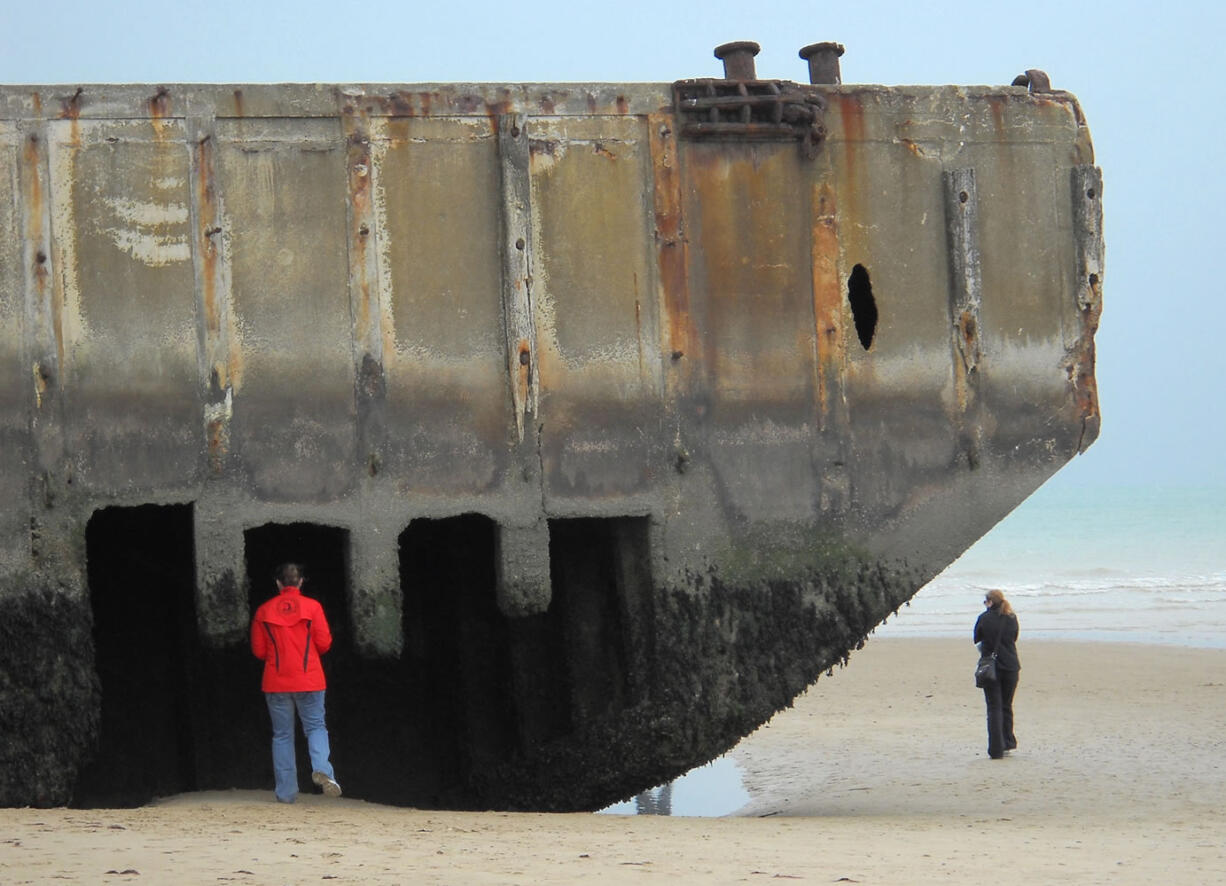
(1142, 72)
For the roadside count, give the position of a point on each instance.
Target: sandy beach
(879, 774)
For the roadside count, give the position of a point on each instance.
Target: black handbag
(985, 670)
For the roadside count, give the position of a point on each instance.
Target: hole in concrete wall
(459, 701)
(600, 573)
(863, 305)
(141, 574)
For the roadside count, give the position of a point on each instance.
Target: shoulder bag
(985, 670)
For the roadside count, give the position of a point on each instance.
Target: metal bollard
(738, 59)
(823, 59)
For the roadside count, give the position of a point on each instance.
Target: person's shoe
(329, 785)
(1011, 747)
(287, 799)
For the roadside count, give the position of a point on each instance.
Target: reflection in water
(711, 790)
(657, 801)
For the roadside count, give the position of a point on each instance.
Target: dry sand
(878, 775)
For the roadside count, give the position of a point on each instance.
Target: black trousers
(999, 698)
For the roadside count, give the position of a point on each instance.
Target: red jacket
(289, 632)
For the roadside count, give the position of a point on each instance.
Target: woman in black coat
(996, 630)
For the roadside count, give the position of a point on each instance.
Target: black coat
(993, 624)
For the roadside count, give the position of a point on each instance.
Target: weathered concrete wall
(15, 379)
(361, 306)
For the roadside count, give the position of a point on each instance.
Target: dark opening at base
(601, 598)
(475, 698)
(476, 692)
(322, 552)
(457, 655)
(141, 578)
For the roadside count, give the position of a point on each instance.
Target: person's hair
(997, 598)
(289, 574)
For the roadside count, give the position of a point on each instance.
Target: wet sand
(879, 774)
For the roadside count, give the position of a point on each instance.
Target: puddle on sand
(708, 791)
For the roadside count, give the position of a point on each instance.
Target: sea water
(1129, 563)
(1143, 564)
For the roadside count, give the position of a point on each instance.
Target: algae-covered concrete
(605, 418)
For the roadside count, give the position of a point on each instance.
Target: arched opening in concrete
(141, 575)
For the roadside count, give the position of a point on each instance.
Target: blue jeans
(310, 707)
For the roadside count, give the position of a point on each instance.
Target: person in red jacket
(288, 633)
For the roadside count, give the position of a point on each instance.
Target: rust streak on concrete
(159, 111)
(671, 246)
(827, 298)
(32, 171)
(70, 109)
(359, 157)
(207, 234)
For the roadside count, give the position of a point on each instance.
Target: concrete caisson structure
(605, 418)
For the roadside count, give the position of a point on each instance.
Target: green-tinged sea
(1142, 564)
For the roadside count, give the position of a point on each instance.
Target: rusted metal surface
(738, 59)
(669, 234)
(823, 59)
(751, 110)
(704, 406)
(212, 285)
